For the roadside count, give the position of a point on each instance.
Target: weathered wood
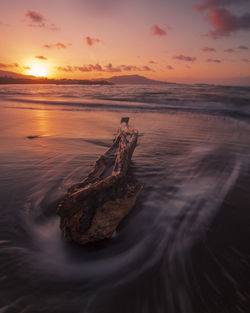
(94, 208)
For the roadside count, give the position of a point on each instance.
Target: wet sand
(184, 246)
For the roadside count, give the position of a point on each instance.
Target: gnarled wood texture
(94, 208)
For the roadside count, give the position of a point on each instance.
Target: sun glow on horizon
(38, 70)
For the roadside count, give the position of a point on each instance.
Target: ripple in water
(183, 247)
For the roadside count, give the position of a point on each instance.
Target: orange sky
(194, 41)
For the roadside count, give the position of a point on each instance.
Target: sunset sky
(169, 40)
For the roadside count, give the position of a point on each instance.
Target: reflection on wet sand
(182, 249)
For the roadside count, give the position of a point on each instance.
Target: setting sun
(38, 71)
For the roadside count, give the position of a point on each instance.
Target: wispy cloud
(41, 57)
(242, 47)
(229, 50)
(36, 19)
(26, 67)
(156, 30)
(12, 65)
(169, 67)
(58, 45)
(67, 68)
(152, 62)
(109, 68)
(245, 60)
(90, 41)
(208, 49)
(182, 57)
(214, 61)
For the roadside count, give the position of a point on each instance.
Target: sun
(38, 71)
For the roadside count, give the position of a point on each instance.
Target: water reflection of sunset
(42, 122)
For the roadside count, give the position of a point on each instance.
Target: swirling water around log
(184, 246)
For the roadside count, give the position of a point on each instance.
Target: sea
(185, 245)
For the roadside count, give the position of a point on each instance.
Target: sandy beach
(185, 242)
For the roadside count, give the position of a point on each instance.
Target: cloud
(242, 47)
(152, 62)
(41, 57)
(134, 68)
(225, 23)
(229, 50)
(97, 67)
(245, 60)
(156, 30)
(89, 68)
(182, 57)
(208, 4)
(36, 19)
(169, 67)
(213, 61)
(85, 68)
(109, 68)
(26, 67)
(129, 68)
(67, 68)
(90, 41)
(12, 65)
(146, 68)
(58, 45)
(207, 49)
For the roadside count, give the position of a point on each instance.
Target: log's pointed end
(124, 120)
(124, 124)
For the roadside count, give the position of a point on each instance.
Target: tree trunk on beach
(94, 208)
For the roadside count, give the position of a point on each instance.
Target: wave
(136, 93)
(158, 234)
(193, 168)
(171, 105)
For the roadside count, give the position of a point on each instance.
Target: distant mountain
(133, 79)
(13, 75)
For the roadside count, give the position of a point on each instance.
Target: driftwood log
(94, 208)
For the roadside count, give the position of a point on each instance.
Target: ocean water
(183, 248)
